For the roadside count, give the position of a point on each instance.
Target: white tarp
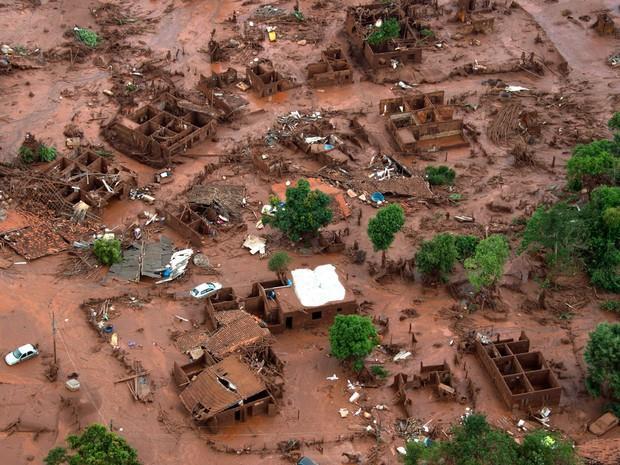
(317, 287)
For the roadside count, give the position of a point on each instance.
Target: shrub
(602, 356)
(278, 263)
(611, 306)
(487, 264)
(440, 175)
(546, 448)
(352, 337)
(87, 37)
(108, 251)
(46, 153)
(465, 246)
(95, 446)
(26, 154)
(304, 212)
(593, 164)
(379, 371)
(436, 257)
(389, 29)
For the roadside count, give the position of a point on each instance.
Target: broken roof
(222, 386)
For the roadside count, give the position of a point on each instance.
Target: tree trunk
(383, 259)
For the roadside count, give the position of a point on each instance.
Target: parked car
(21, 354)
(205, 290)
(306, 461)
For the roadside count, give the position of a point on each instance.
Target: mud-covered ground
(573, 101)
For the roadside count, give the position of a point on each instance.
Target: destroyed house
(161, 129)
(522, 377)
(89, 179)
(265, 80)
(332, 69)
(473, 14)
(363, 19)
(422, 122)
(227, 103)
(314, 297)
(223, 393)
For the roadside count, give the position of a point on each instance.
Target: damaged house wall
(422, 122)
(161, 129)
(332, 69)
(265, 80)
(522, 377)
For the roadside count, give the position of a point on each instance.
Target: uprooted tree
(95, 446)
(278, 263)
(108, 251)
(384, 226)
(303, 213)
(351, 338)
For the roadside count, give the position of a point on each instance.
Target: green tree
(465, 246)
(440, 175)
(352, 337)
(384, 226)
(559, 230)
(546, 448)
(389, 29)
(108, 251)
(593, 164)
(436, 257)
(278, 263)
(614, 122)
(47, 153)
(304, 212)
(487, 264)
(95, 446)
(603, 358)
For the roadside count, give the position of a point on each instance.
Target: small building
(314, 297)
(161, 129)
(265, 80)
(522, 377)
(421, 122)
(406, 48)
(224, 393)
(332, 69)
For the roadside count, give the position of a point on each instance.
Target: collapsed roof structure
(265, 80)
(332, 69)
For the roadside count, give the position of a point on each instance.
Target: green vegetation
(46, 153)
(389, 29)
(611, 306)
(603, 358)
(304, 212)
(475, 442)
(486, 266)
(108, 251)
(278, 263)
(384, 226)
(465, 246)
(26, 154)
(427, 33)
(352, 337)
(87, 37)
(95, 446)
(379, 371)
(440, 175)
(436, 257)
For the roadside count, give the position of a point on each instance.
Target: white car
(21, 354)
(205, 290)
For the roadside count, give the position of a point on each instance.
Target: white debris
(178, 263)
(354, 397)
(401, 450)
(255, 244)
(402, 355)
(359, 410)
(332, 377)
(515, 89)
(343, 412)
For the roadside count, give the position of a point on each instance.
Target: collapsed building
(215, 89)
(406, 48)
(265, 80)
(332, 69)
(522, 376)
(422, 122)
(163, 128)
(474, 14)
